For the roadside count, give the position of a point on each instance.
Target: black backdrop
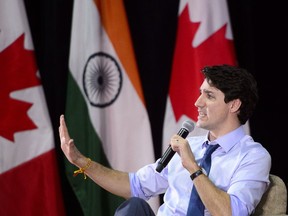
(260, 35)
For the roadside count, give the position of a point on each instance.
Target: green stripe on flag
(93, 199)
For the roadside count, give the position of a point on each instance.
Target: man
(240, 167)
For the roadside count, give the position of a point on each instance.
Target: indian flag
(106, 113)
(29, 175)
(204, 37)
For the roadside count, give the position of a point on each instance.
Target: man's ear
(235, 105)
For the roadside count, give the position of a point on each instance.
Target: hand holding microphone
(187, 127)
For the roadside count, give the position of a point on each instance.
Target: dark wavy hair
(235, 83)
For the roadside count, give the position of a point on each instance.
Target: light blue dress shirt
(240, 166)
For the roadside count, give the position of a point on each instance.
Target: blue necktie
(196, 207)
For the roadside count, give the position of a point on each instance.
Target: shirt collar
(227, 141)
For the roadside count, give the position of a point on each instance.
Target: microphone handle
(169, 153)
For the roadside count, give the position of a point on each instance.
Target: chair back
(274, 200)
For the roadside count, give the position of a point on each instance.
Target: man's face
(213, 112)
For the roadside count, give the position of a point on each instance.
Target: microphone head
(188, 125)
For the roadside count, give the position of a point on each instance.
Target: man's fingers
(70, 142)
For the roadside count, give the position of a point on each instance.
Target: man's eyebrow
(206, 91)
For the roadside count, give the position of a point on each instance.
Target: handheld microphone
(187, 127)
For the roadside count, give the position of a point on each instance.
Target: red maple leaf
(186, 77)
(18, 71)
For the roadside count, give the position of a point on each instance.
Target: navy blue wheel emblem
(102, 79)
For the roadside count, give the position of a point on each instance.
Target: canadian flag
(29, 176)
(204, 38)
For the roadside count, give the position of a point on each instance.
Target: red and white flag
(204, 38)
(29, 177)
